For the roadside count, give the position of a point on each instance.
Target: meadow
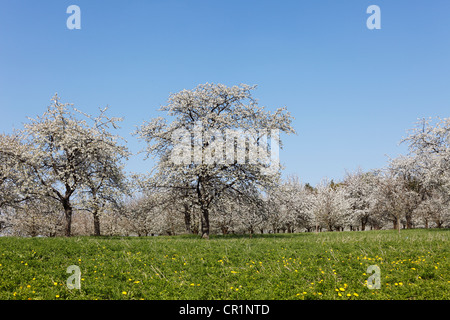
(414, 264)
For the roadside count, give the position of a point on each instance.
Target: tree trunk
(205, 223)
(224, 230)
(203, 208)
(96, 223)
(409, 222)
(95, 212)
(397, 224)
(68, 215)
(187, 218)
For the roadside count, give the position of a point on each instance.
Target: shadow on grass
(403, 232)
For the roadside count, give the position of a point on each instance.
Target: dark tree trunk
(68, 215)
(205, 223)
(397, 224)
(96, 223)
(204, 208)
(409, 223)
(224, 230)
(95, 212)
(187, 218)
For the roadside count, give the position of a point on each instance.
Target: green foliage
(331, 265)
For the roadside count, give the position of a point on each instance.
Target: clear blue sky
(353, 91)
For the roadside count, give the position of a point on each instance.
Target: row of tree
(63, 173)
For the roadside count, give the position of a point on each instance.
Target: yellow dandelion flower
(124, 292)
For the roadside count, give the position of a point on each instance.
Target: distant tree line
(63, 174)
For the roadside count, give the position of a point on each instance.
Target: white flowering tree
(249, 211)
(394, 198)
(274, 220)
(143, 213)
(15, 185)
(289, 206)
(209, 147)
(360, 190)
(331, 207)
(434, 211)
(37, 217)
(429, 160)
(225, 214)
(408, 170)
(297, 203)
(105, 181)
(62, 153)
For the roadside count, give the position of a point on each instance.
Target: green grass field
(414, 264)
